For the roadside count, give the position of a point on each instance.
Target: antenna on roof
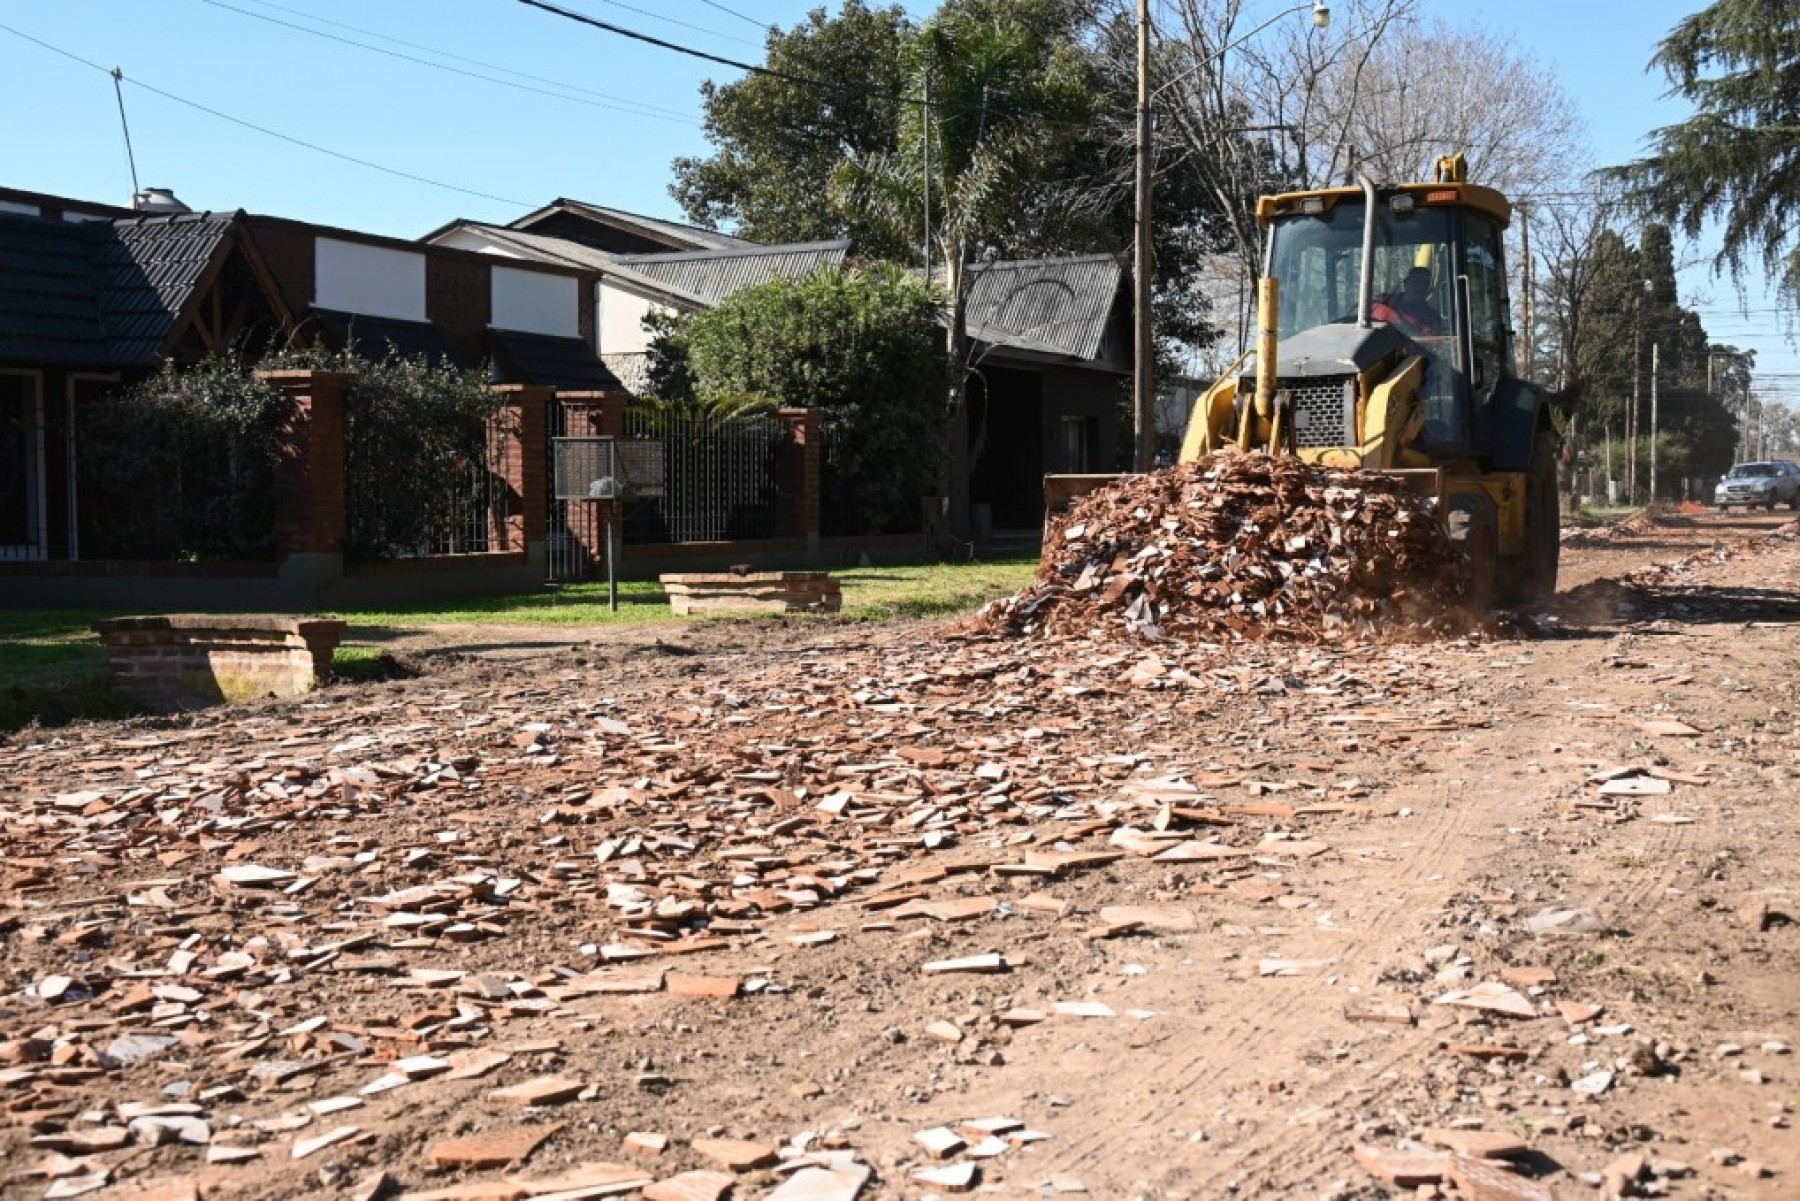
(118, 78)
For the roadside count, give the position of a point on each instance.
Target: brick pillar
(594, 414)
(809, 437)
(517, 450)
(309, 474)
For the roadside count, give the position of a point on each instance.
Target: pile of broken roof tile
(1242, 546)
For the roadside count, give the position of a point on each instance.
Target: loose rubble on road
(1241, 546)
(801, 911)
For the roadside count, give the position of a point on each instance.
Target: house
(92, 295)
(1052, 358)
(686, 269)
(1052, 353)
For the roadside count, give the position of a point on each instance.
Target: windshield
(1318, 260)
(1748, 470)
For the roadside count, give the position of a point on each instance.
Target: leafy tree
(779, 138)
(1008, 83)
(1737, 159)
(864, 346)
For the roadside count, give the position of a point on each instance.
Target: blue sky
(620, 112)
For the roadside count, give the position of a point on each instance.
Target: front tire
(1533, 574)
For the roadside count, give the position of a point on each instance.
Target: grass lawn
(53, 670)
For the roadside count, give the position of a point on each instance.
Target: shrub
(180, 467)
(867, 348)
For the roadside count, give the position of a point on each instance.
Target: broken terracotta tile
(940, 1142)
(1491, 997)
(543, 1090)
(1478, 1144)
(494, 1149)
(739, 1155)
(717, 988)
(971, 963)
(1404, 1169)
(311, 1146)
(690, 1186)
(1485, 1180)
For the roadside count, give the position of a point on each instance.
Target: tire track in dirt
(1444, 838)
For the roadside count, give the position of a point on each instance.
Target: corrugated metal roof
(714, 275)
(672, 231)
(1052, 306)
(568, 364)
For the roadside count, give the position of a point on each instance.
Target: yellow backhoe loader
(1385, 343)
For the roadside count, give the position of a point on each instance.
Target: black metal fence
(723, 481)
(461, 510)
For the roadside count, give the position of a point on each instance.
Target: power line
(288, 138)
(734, 12)
(721, 60)
(656, 16)
(461, 58)
(663, 44)
(642, 110)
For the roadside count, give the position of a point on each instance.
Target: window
(1485, 268)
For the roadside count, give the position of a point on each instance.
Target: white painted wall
(352, 277)
(536, 302)
(619, 318)
(14, 206)
(465, 239)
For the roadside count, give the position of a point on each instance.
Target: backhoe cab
(1385, 343)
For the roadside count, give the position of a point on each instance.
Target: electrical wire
(656, 16)
(463, 58)
(613, 103)
(734, 12)
(262, 129)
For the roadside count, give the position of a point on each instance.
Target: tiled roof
(146, 275)
(673, 231)
(101, 294)
(714, 275)
(1052, 306)
(376, 337)
(567, 364)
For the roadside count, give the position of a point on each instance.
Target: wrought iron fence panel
(461, 509)
(725, 481)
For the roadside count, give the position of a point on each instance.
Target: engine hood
(1327, 350)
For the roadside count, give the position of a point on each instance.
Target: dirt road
(1035, 918)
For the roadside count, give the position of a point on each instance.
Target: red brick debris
(1244, 546)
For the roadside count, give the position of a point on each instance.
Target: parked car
(1760, 485)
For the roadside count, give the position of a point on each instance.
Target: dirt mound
(1244, 546)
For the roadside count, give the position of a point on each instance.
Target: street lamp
(1143, 389)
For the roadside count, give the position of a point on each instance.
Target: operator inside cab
(1410, 309)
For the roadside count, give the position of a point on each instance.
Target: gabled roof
(102, 294)
(714, 275)
(695, 279)
(1051, 306)
(676, 234)
(149, 274)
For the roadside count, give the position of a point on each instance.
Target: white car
(1760, 485)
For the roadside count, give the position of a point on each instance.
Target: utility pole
(925, 120)
(1143, 383)
(1655, 352)
(1525, 346)
(1637, 354)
